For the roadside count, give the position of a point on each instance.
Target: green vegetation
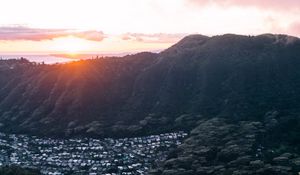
(233, 77)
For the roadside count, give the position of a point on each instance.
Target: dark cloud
(36, 34)
(153, 38)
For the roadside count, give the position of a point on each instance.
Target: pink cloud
(292, 28)
(295, 29)
(262, 4)
(153, 38)
(36, 34)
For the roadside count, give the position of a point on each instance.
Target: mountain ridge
(237, 97)
(199, 75)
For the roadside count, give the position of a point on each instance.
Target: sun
(71, 45)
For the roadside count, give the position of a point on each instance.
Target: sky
(117, 26)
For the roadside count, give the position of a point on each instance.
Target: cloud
(152, 38)
(294, 29)
(36, 34)
(15, 33)
(291, 28)
(262, 4)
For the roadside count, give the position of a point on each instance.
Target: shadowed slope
(233, 76)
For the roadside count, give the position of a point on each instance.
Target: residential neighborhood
(128, 156)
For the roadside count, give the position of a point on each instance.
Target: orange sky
(114, 26)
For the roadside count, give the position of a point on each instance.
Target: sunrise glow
(100, 26)
(149, 87)
(70, 45)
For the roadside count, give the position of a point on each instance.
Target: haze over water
(47, 59)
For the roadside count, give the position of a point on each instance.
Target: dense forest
(244, 89)
(14, 170)
(232, 76)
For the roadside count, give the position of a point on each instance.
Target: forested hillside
(237, 95)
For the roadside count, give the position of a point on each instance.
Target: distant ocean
(47, 59)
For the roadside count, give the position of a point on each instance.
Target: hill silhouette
(233, 76)
(237, 95)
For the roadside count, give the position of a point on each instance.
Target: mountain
(54, 99)
(232, 76)
(237, 95)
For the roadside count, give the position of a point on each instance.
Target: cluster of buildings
(91, 156)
